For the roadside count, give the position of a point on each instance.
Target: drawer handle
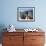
(11, 38)
(33, 39)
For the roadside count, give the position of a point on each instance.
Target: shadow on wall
(2, 26)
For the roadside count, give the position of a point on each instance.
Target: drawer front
(16, 41)
(37, 39)
(27, 41)
(34, 33)
(37, 45)
(12, 44)
(13, 33)
(12, 39)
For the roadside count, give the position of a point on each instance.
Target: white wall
(9, 13)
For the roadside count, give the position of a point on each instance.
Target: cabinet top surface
(22, 30)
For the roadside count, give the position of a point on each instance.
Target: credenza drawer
(37, 39)
(12, 39)
(13, 33)
(34, 33)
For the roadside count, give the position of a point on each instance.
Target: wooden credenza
(23, 39)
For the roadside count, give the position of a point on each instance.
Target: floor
(0, 44)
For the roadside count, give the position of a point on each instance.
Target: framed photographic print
(26, 14)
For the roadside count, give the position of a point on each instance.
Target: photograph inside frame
(25, 13)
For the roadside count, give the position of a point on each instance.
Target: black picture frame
(26, 14)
